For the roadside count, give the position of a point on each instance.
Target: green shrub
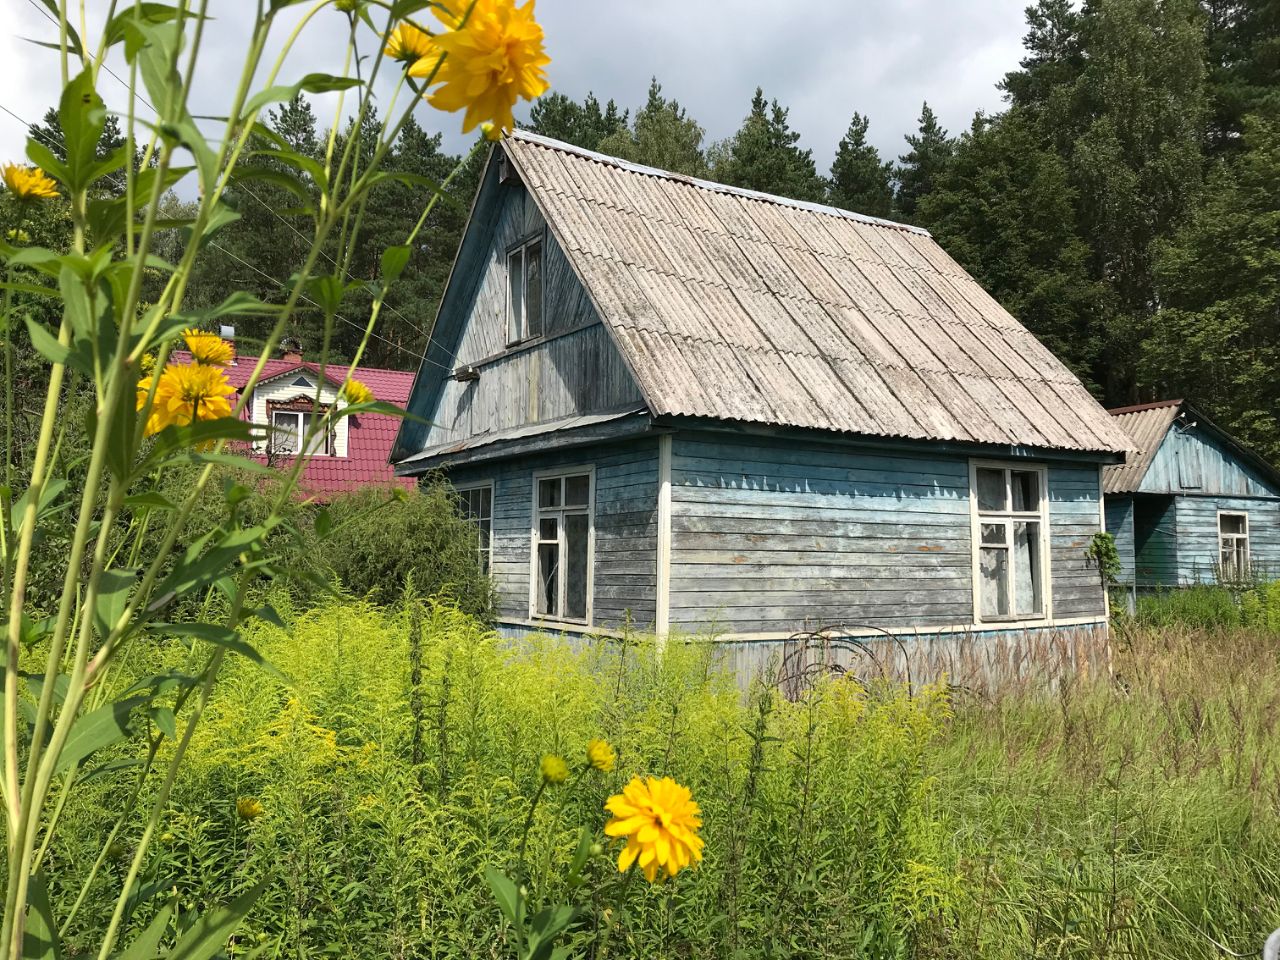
(380, 541)
(1204, 605)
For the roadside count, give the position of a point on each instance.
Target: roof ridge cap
(631, 167)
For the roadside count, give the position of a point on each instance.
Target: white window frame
(325, 449)
(1248, 547)
(1010, 515)
(470, 488)
(539, 513)
(538, 239)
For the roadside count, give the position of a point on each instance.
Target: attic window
(524, 290)
(302, 382)
(1010, 557)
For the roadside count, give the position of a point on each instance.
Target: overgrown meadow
(396, 750)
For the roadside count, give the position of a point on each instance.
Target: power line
(421, 358)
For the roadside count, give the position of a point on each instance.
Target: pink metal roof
(369, 435)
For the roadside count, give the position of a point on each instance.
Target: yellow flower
(660, 821)
(186, 392)
(600, 755)
(554, 769)
(248, 808)
(408, 44)
(493, 59)
(18, 235)
(29, 182)
(208, 347)
(356, 392)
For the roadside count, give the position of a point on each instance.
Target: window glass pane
(994, 533)
(1231, 523)
(284, 432)
(533, 289)
(993, 564)
(575, 583)
(547, 528)
(991, 491)
(547, 587)
(1026, 567)
(515, 301)
(318, 443)
(549, 492)
(1026, 490)
(577, 490)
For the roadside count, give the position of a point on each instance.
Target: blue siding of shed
(776, 536)
(626, 498)
(1120, 526)
(1198, 535)
(1195, 461)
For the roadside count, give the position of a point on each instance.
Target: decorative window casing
(563, 537)
(1009, 512)
(475, 503)
(291, 429)
(524, 290)
(1233, 545)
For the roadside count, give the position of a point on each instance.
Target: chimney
(291, 349)
(228, 334)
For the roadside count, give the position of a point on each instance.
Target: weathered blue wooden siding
(626, 496)
(1120, 526)
(573, 369)
(1193, 461)
(1198, 536)
(1155, 537)
(772, 536)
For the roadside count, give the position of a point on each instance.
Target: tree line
(1124, 205)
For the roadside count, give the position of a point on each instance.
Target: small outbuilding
(1192, 504)
(673, 405)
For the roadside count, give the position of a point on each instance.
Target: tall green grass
(1134, 815)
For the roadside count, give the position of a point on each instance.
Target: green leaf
(311, 83)
(323, 522)
(113, 596)
(276, 178)
(312, 167)
(209, 934)
(219, 636)
(147, 946)
(95, 730)
(47, 344)
(268, 614)
(327, 292)
(505, 892)
(581, 854)
(73, 39)
(44, 158)
(148, 500)
(41, 258)
(117, 29)
(394, 260)
(29, 288)
(196, 569)
(82, 116)
(40, 939)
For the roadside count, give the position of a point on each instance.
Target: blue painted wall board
(1195, 461)
(1198, 536)
(1120, 526)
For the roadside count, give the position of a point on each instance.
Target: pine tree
(1243, 51)
(764, 155)
(1218, 338)
(663, 135)
(920, 167)
(860, 180)
(583, 124)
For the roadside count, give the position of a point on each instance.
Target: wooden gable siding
(573, 369)
(625, 529)
(770, 537)
(1120, 526)
(1195, 461)
(1197, 531)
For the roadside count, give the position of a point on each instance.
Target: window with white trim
(562, 546)
(476, 506)
(1010, 557)
(524, 290)
(1233, 545)
(291, 431)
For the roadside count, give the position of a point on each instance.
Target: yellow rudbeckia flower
(356, 392)
(29, 183)
(408, 44)
(494, 59)
(600, 756)
(554, 769)
(208, 347)
(660, 820)
(248, 808)
(186, 392)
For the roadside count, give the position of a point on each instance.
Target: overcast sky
(825, 60)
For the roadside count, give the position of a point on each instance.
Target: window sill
(1018, 618)
(557, 621)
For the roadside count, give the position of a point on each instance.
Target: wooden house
(1192, 505)
(688, 407)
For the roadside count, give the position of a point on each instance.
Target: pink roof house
(354, 454)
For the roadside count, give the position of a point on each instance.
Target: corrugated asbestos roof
(735, 305)
(1146, 424)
